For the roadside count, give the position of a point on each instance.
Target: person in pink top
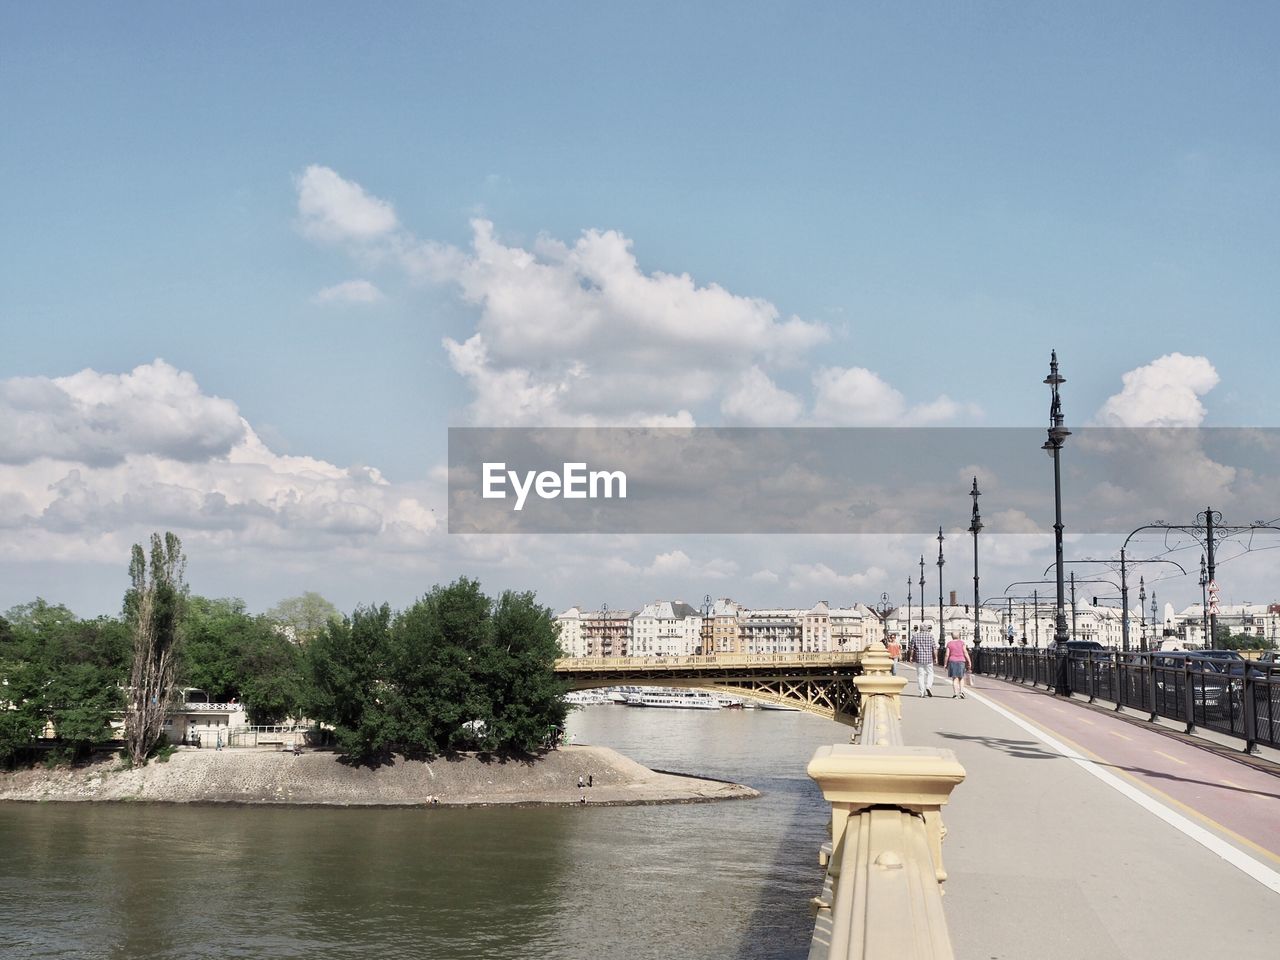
(957, 661)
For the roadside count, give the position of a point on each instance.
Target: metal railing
(882, 895)
(1231, 697)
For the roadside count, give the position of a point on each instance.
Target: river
(722, 880)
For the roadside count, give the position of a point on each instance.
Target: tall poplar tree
(153, 608)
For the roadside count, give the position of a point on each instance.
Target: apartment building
(722, 628)
(666, 628)
(772, 631)
(573, 642)
(607, 633)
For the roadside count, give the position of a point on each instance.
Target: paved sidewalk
(1046, 860)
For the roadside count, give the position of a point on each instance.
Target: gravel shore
(320, 778)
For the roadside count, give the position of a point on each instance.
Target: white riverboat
(586, 698)
(674, 699)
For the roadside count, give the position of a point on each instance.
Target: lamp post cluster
(975, 527)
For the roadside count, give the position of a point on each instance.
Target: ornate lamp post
(1157, 637)
(1209, 517)
(883, 609)
(908, 638)
(922, 591)
(1142, 610)
(975, 527)
(941, 628)
(1053, 445)
(1204, 603)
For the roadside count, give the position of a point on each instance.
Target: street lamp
(1053, 445)
(883, 609)
(922, 591)
(1204, 603)
(941, 628)
(1142, 610)
(975, 526)
(909, 607)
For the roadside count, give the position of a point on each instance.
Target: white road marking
(1257, 870)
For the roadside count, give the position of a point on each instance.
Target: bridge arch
(816, 683)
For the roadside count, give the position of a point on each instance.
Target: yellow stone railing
(709, 661)
(882, 895)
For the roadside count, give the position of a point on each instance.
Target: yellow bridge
(819, 683)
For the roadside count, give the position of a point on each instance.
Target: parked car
(1213, 689)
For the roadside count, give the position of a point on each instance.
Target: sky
(254, 261)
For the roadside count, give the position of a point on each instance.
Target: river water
(718, 880)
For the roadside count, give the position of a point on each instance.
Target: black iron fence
(1237, 698)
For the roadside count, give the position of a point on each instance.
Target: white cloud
(756, 401)
(674, 564)
(580, 334)
(848, 586)
(333, 209)
(101, 418)
(92, 461)
(856, 396)
(352, 291)
(1164, 393)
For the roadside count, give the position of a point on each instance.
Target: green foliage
(61, 670)
(345, 667)
(233, 656)
(1224, 639)
(154, 608)
(456, 670)
(304, 618)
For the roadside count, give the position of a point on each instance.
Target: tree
(1224, 639)
(21, 719)
(153, 608)
(303, 618)
(471, 672)
(84, 665)
(59, 671)
(346, 684)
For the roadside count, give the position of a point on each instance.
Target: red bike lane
(1238, 801)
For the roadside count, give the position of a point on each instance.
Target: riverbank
(321, 779)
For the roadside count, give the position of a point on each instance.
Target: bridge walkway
(1077, 833)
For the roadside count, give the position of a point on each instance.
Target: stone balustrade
(882, 895)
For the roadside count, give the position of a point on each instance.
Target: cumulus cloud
(101, 418)
(1164, 393)
(856, 396)
(675, 564)
(848, 586)
(352, 291)
(577, 334)
(91, 461)
(756, 401)
(333, 209)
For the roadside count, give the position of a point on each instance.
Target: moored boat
(674, 699)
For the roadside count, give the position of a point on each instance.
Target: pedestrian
(924, 651)
(581, 783)
(582, 799)
(957, 661)
(895, 651)
(591, 779)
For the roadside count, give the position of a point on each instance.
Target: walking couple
(924, 653)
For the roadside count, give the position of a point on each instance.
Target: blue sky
(946, 190)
